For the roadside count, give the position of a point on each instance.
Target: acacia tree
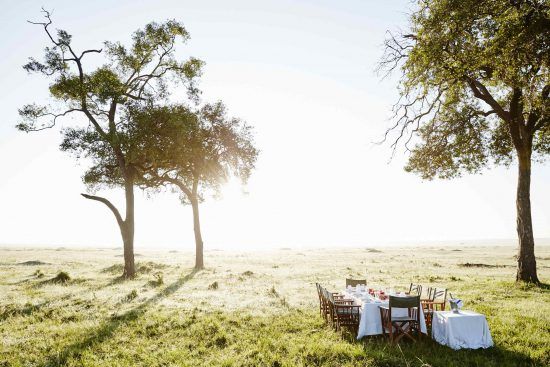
(139, 74)
(194, 152)
(474, 91)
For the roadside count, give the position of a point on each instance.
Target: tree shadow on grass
(108, 328)
(10, 310)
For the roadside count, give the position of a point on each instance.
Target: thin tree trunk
(199, 258)
(126, 228)
(128, 231)
(527, 265)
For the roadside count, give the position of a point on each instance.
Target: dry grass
(261, 311)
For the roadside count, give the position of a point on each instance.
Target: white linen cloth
(466, 329)
(370, 322)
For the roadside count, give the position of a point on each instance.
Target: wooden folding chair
(344, 314)
(330, 299)
(415, 289)
(437, 298)
(320, 295)
(397, 327)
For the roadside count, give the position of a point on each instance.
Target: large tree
(475, 88)
(193, 151)
(139, 74)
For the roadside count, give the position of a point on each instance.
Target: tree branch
(115, 211)
(27, 128)
(481, 92)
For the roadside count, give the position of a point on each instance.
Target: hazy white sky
(302, 73)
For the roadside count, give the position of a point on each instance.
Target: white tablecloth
(370, 322)
(466, 329)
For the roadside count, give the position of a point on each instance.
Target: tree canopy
(470, 70)
(195, 150)
(475, 89)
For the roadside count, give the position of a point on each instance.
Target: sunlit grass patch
(269, 318)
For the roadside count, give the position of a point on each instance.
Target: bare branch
(409, 116)
(28, 128)
(115, 211)
(396, 50)
(89, 51)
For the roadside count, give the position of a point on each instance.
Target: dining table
(370, 322)
(461, 329)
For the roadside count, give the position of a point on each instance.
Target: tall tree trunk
(199, 258)
(527, 265)
(127, 230)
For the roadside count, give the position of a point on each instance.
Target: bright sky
(302, 73)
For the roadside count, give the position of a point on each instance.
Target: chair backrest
(325, 293)
(429, 293)
(415, 289)
(329, 297)
(355, 282)
(439, 293)
(404, 302)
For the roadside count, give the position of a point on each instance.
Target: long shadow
(118, 279)
(107, 329)
(26, 310)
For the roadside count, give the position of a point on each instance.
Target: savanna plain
(69, 307)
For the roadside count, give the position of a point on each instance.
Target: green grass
(263, 310)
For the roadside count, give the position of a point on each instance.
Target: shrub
(131, 296)
(33, 262)
(61, 277)
(221, 341)
(213, 286)
(434, 278)
(38, 273)
(158, 281)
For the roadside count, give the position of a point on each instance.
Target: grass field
(252, 308)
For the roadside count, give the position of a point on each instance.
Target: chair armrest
(347, 306)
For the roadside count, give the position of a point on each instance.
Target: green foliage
(140, 73)
(475, 85)
(196, 151)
